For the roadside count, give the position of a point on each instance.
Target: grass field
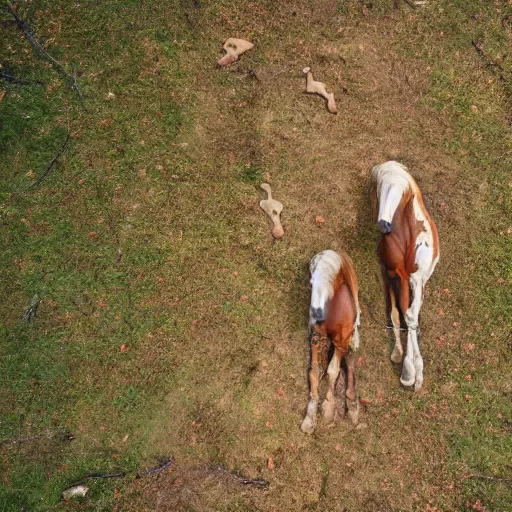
(172, 325)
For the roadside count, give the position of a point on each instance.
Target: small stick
(50, 166)
(259, 483)
(93, 476)
(151, 471)
(488, 61)
(23, 26)
(66, 436)
(21, 81)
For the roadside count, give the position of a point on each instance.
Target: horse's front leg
(315, 373)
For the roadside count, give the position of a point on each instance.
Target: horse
(334, 317)
(408, 252)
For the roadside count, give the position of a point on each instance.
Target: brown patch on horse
(397, 250)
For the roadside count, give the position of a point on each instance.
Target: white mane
(324, 268)
(392, 181)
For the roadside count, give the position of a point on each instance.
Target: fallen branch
(24, 27)
(50, 166)
(259, 483)
(21, 81)
(488, 61)
(66, 436)
(151, 471)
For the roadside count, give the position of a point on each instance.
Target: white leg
(412, 371)
(398, 353)
(309, 423)
(329, 404)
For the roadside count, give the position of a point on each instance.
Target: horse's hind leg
(398, 353)
(329, 404)
(351, 392)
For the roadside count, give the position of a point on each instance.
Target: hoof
(396, 356)
(418, 384)
(353, 412)
(308, 425)
(407, 383)
(328, 409)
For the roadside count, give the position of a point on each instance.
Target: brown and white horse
(408, 253)
(333, 317)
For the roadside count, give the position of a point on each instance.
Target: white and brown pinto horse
(333, 317)
(408, 252)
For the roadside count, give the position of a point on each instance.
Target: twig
(93, 476)
(23, 26)
(167, 462)
(259, 483)
(50, 166)
(16, 80)
(488, 61)
(31, 312)
(66, 436)
(487, 477)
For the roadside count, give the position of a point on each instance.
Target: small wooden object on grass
(314, 87)
(234, 47)
(273, 209)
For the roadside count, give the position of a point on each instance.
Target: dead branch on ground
(21, 81)
(24, 27)
(50, 166)
(490, 63)
(258, 483)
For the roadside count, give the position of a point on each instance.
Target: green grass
(147, 234)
